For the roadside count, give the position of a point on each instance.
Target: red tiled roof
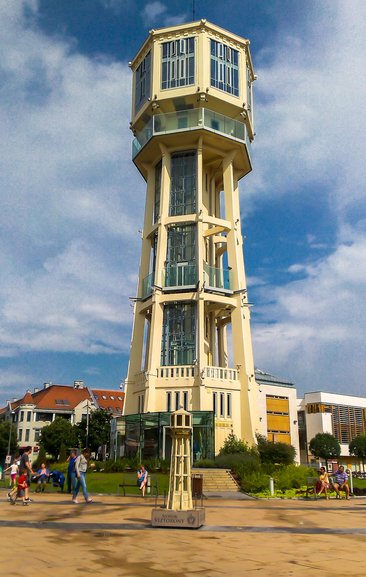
(67, 397)
(110, 400)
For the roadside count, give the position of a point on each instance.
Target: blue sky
(72, 201)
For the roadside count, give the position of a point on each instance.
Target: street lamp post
(87, 425)
(10, 430)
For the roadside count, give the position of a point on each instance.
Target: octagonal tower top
(190, 66)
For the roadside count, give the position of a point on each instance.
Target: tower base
(192, 519)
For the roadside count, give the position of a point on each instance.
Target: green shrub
(291, 477)
(234, 445)
(276, 453)
(244, 461)
(252, 481)
(205, 463)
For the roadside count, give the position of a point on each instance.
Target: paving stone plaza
(113, 536)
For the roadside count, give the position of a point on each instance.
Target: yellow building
(192, 118)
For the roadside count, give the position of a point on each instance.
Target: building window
(21, 416)
(224, 68)
(214, 403)
(37, 435)
(169, 402)
(29, 416)
(20, 434)
(142, 79)
(27, 432)
(177, 63)
(140, 404)
(348, 422)
(228, 405)
(183, 184)
(177, 400)
(158, 169)
(185, 400)
(222, 405)
(43, 417)
(179, 334)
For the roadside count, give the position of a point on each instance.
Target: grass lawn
(108, 483)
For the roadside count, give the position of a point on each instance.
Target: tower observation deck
(192, 120)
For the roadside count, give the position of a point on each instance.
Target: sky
(72, 201)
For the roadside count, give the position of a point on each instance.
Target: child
(13, 473)
(21, 488)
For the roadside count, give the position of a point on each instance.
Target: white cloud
(153, 11)
(311, 140)
(71, 201)
(313, 330)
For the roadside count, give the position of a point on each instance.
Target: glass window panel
(179, 341)
(178, 63)
(224, 68)
(183, 184)
(142, 82)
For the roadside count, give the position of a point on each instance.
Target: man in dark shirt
(25, 468)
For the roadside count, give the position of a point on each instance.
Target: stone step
(220, 480)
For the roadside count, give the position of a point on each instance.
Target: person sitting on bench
(341, 481)
(142, 479)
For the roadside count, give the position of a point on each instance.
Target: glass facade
(178, 63)
(183, 184)
(147, 435)
(179, 334)
(142, 82)
(224, 68)
(181, 256)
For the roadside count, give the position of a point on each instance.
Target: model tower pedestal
(179, 511)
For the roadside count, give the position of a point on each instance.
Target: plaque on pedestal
(192, 519)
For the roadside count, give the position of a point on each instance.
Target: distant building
(278, 410)
(41, 407)
(344, 416)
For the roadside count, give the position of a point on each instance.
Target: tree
(273, 452)
(60, 432)
(325, 446)
(99, 430)
(7, 431)
(358, 447)
(234, 445)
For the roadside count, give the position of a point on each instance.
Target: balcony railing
(189, 371)
(179, 275)
(217, 278)
(191, 120)
(220, 373)
(147, 283)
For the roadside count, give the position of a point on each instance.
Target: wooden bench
(152, 488)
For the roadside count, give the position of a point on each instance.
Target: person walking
(22, 487)
(71, 474)
(14, 468)
(81, 466)
(25, 468)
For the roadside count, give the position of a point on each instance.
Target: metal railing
(179, 275)
(194, 119)
(218, 278)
